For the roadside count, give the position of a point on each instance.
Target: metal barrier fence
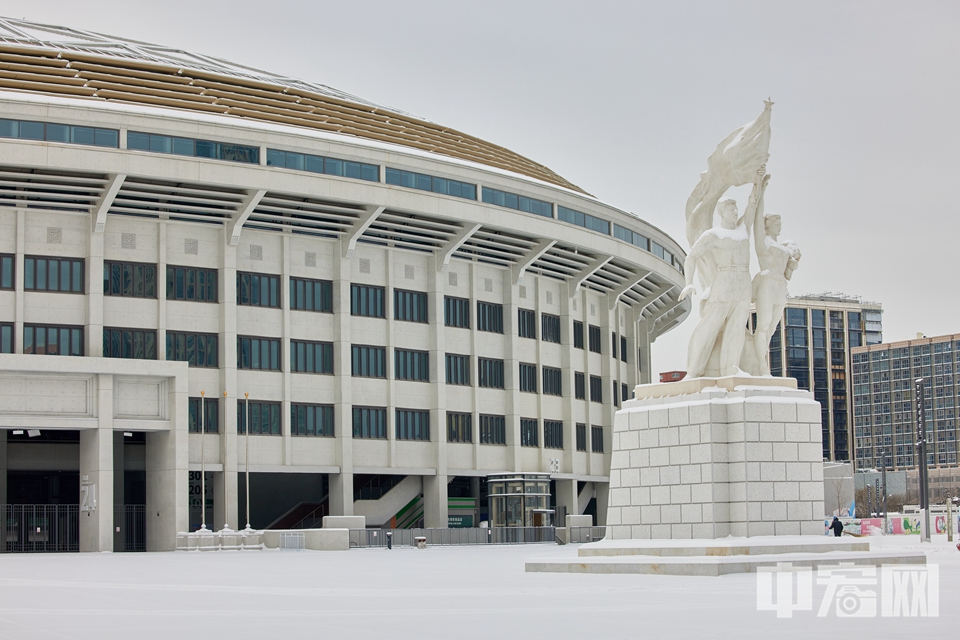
(292, 541)
(360, 538)
(39, 528)
(130, 524)
(576, 535)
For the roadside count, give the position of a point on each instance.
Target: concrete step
(721, 565)
(760, 545)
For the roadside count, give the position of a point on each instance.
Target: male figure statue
(722, 255)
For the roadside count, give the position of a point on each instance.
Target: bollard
(389, 540)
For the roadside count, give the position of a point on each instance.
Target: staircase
(397, 499)
(306, 515)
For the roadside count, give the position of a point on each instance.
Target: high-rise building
(813, 343)
(885, 405)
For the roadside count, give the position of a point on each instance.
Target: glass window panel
(82, 135)
(107, 138)
(31, 130)
(58, 133)
(138, 141)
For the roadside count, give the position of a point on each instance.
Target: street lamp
(246, 447)
(203, 475)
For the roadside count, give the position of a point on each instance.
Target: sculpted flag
(735, 162)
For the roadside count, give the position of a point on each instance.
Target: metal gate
(129, 522)
(40, 528)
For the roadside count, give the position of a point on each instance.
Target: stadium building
(385, 310)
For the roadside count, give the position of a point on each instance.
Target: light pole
(922, 452)
(883, 473)
(203, 475)
(246, 447)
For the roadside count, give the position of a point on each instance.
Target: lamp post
(203, 475)
(922, 452)
(246, 447)
(883, 473)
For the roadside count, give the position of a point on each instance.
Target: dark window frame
(32, 273)
(252, 349)
(74, 334)
(312, 420)
(309, 294)
(174, 338)
(246, 410)
(181, 280)
(117, 273)
(116, 338)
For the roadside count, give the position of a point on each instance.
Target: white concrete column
(167, 472)
(96, 474)
(435, 502)
(341, 485)
(511, 370)
(94, 297)
(18, 282)
(162, 289)
(389, 346)
(567, 360)
(568, 497)
(285, 350)
(225, 497)
(118, 487)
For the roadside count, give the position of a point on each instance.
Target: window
(623, 349)
(596, 389)
(459, 427)
(197, 349)
(579, 385)
(261, 354)
(53, 274)
(551, 328)
(370, 422)
(527, 323)
(411, 365)
(616, 394)
(311, 420)
(129, 279)
(489, 317)
(211, 414)
(368, 362)
(660, 252)
(518, 202)
(552, 381)
(456, 312)
(412, 425)
(311, 295)
(52, 341)
(191, 283)
(595, 339)
(138, 344)
(553, 434)
(263, 418)
(624, 392)
(311, 357)
(321, 164)
(6, 271)
(583, 220)
(528, 433)
(490, 373)
(410, 306)
(596, 439)
(141, 141)
(577, 334)
(581, 437)
(613, 345)
(6, 337)
(424, 182)
(528, 377)
(458, 369)
(257, 290)
(367, 301)
(493, 429)
(51, 132)
(634, 238)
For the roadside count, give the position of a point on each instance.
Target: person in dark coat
(836, 526)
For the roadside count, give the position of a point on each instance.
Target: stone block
(691, 513)
(679, 455)
(620, 497)
(816, 471)
(721, 492)
(753, 471)
(735, 432)
(659, 457)
(736, 472)
(660, 531)
(650, 477)
(699, 453)
(629, 440)
(613, 516)
(811, 528)
(614, 479)
(735, 452)
(755, 410)
(649, 438)
(737, 491)
(631, 515)
(650, 514)
(811, 451)
(681, 531)
(706, 512)
(797, 432)
(669, 436)
(787, 528)
(718, 413)
(798, 471)
(619, 460)
(738, 511)
(670, 514)
(759, 451)
(701, 493)
(630, 478)
(759, 528)
(690, 474)
(812, 491)
(800, 511)
(680, 494)
(699, 413)
(808, 412)
(344, 522)
(678, 416)
(640, 496)
(660, 495)
(760, 492)
(785, 452)
(669, 475)
(753, 512)
(816, 429)
(772, 432)
(638, 420)
(786, 491)
(658, 418)
(703, 530)
(690, 434)
(783, 411)
(773, 511)
(621, 422)
(751, 431)
(773, 471)
(719, 473)
(640, 458)
(641, 532)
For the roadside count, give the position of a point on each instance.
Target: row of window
(248, 154)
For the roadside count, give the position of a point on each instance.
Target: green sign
(456, 522)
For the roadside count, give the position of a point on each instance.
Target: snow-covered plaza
(462, 592)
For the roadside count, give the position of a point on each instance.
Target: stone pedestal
(713, 457)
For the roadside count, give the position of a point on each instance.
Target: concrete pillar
(225, 484)
(220, 498)
(167, 473)
(118, 497)
(568, 497)
(94, 297)
(341, 494)
(603, 499)
(96, 475)
(435, 503)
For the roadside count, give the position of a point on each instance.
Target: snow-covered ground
(455, 592)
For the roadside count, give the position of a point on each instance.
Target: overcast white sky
(627, 99)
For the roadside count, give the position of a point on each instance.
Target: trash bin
(421, 542)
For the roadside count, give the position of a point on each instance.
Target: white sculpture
(723, 344)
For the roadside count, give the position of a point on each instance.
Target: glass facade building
(813, 344)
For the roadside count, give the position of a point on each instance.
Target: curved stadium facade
(386, 309)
